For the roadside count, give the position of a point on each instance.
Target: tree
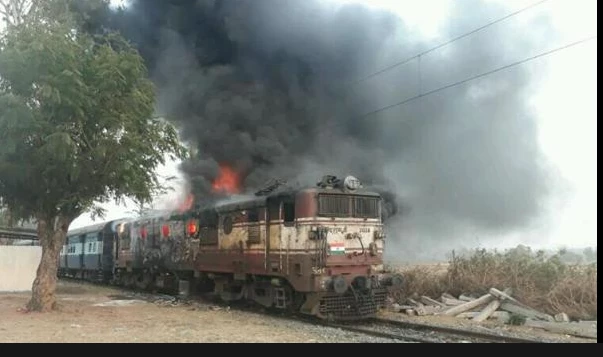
(76, 127)
(14, 12)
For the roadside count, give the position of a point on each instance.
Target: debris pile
(496, 305)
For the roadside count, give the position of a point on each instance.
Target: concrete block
(18, 266)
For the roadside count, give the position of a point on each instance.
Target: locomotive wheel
(129, 281)
(143, 281)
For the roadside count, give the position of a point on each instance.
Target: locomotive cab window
(289, 212)
(208, 227)
(273, 210)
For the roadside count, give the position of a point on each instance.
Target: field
(542, 282)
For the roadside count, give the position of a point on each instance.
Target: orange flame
(228, 181)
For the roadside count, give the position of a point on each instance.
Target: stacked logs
(498, 305)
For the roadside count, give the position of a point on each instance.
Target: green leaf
(75, 119)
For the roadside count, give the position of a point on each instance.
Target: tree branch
(15, 11)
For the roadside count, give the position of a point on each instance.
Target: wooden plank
(502, 316)
(504, 295)
(414, 302)
(527, 312)
(487, 311)
(465, 298)
(566, 328)
(451, 302)
(469, 305)
(429, 301)
(561, 317)
(427, 310)
(398, 307)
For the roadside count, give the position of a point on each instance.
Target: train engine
(316, 250)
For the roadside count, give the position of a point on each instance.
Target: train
(315, 250)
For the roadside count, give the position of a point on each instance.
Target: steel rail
(455, 331)
(381, 334)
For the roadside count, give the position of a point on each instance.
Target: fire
(187, 204)
(228, 181)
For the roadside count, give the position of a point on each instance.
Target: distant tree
(76, 127)
(570, 257)
(4, 217)
(590, 254)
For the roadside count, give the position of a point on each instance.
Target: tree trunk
(51, 233)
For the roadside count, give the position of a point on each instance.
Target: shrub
(542, 282)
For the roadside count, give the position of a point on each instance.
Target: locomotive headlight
(352, 183)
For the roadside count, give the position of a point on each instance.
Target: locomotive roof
(260, 201)
(241, 204)
(336, 191)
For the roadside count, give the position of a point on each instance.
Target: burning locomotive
(315, 250)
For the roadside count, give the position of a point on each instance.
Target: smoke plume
(264, 87)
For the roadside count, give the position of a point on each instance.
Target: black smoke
(264, 87)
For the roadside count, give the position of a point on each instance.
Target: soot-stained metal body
(315, 250)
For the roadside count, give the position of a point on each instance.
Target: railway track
(424, 333)
(375, 327)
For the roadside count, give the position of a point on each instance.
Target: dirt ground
(97, 314)
(91, 313)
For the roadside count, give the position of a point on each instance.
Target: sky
(566, 106)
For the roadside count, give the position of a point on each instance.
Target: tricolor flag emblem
(337, 248)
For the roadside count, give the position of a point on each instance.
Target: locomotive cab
(341, 224)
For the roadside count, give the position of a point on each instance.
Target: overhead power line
(478, 76)
(445, 43)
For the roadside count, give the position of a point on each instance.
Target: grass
(542, 282)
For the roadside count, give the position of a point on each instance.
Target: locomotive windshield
(352, 206)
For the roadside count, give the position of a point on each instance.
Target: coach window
(154, 232)
(126, 235)
(227, 224)
(208, 227)
(289, 212)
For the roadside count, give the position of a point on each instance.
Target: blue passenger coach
(89, 252)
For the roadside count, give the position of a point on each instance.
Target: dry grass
(429, 280)
(544, 283)
(575, 293)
